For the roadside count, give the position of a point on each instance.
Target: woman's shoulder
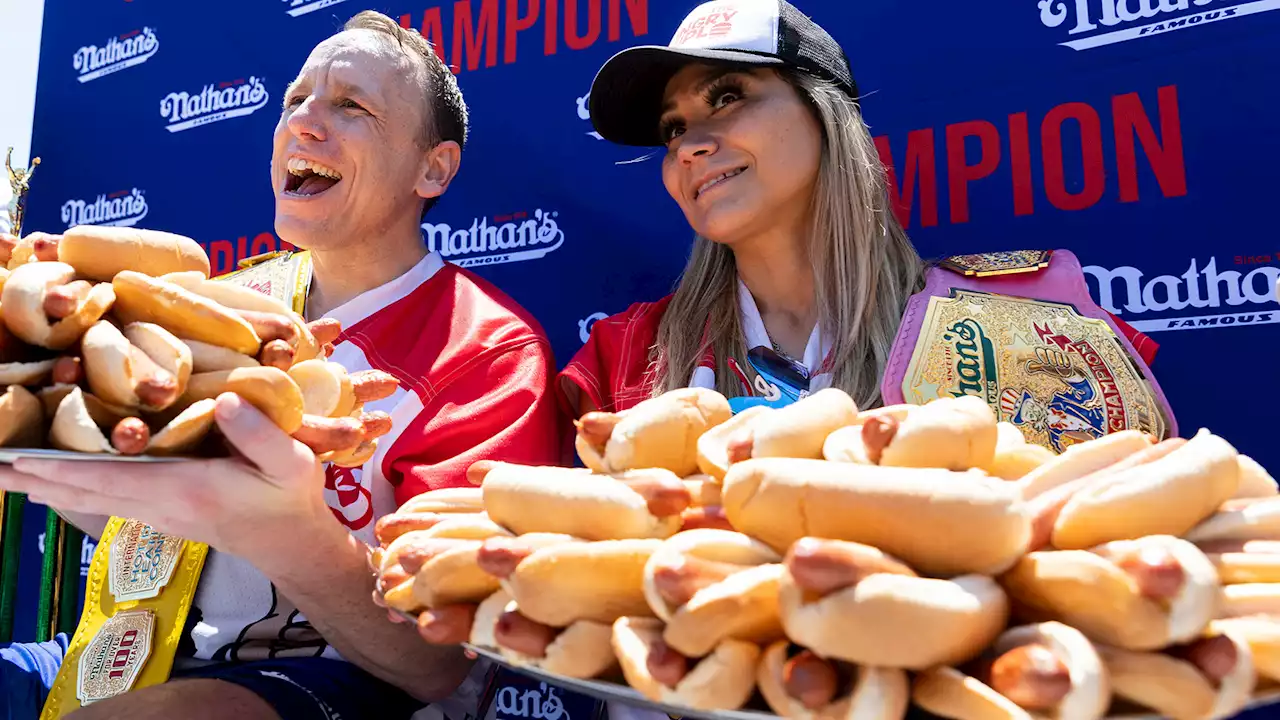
(614, 361)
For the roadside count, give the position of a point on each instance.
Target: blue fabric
(314, 689)
(27, 671)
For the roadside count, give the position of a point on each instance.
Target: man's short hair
(445, 112)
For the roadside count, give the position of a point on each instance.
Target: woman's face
(743, 151)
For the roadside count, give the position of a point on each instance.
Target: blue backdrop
(1136, 133)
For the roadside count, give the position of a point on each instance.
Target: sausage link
(45, 247)
(665, 665)
(448, 624)
(710, 516)
(877, 433)
(499, 556)
(663, 495)
(7, 244)
(327, 350)
(67, 371)
(740, 446)
(517, 632)
(391, 579)
(271, 326)
(130, 436)
(679, 579)
(1032, 676)
(597, 427)
(414, 555)
(827, 566)
(390, 527)
(1216, 657)
(154, 386)
(811, 680)
(1046, 507)
(277, 354)
(325, 330)
(1156, 571)
(63, 300)
(478, 470)
(371, 385)
(324, 435)
(374, 424)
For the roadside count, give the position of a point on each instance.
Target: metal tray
(8, 455)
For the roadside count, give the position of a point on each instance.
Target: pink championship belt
(1022, 333)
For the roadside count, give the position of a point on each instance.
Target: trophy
(20, 181)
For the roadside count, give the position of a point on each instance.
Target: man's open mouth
(307, 178)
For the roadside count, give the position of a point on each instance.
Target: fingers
(261, 441)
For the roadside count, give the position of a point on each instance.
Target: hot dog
(558, 581)
(327, 389)
(140, 298)
(581, 650)
(445, 500)
(1014, 457)
(325, 330)
(1044, 670)
(1244, 561)
(925, 517)
(1262, 635)
(25, 293)
(705, 518)
(130, 436)
(1083, 459)
(843, 601)
(100, 253)
(79, 422)
(713, 445)
(144, 366)
(448, 624)
(63, 300)
(711, 585)
(1135, 594)
(238, 298)
(1212, 676)
(634, 504)
(797, 430)
(1254, 480)
(1250, 599)
(277, 354)
(661, 432)
(1166, 496)
(373, 385)
(441, 561)
(21, 418)
(67, 370)
(798, 684)
(1253, 519)
(951, 433)
(268, 389)
(724, 679)
(324, 435)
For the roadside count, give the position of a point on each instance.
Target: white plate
(8, 455)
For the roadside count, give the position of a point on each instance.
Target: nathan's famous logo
(223, 101)
(584, 113)
(117, 53)
(507, 238)
(302, 7)
(1095, 23)
(511, 703)
(1194, 300)
(585, 325)
(972, 356)
(124, 208)
(1088, 405)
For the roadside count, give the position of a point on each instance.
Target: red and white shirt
(474, 370)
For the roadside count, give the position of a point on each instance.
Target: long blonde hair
(865, 268)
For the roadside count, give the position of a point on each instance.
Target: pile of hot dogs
(115, 341)
(846, 564)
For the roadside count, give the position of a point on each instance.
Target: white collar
(371, 301)
(815, 351)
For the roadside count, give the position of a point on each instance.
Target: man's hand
(256, 506)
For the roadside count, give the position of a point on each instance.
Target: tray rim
(8, 455)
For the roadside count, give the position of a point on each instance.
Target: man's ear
(439, 166)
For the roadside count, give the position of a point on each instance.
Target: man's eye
(351, 104)
(293, 101)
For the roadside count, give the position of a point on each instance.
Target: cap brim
(626, 95)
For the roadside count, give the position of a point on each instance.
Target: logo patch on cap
(725, 25)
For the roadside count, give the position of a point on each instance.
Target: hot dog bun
(1178, 688)
(1262, 635)
(713, 445)
(723, 680)
(1168, 496)
(184, 432)
(74, 428)
(1244, 561)
(1014, 457)
(584, 649)
(453, 576)
(100, 253)
(1250, 599)
(577, 502)
(212, 358)
(445, 500)
(326, 388)
(268, 389)
(115, 372)
(800, 429)
(661, 432)
(140, 298)
(877, 694)
(23, 299)
(1091, 590)
(21, 418)
(238, 297)
(742, 606)
(25, 373)
(951, 433)
(1257, 520)
(1083, 459)
(599, 581)
(893, 620)
(949, 693)
(925, 517)
(1255, 481)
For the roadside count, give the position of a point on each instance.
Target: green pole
(49, 567)
(10, 553)
(69, 587)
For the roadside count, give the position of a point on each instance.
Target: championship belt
(1019, 330)
(142, 582)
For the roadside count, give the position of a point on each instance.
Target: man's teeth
(298, 166)
(718, 179)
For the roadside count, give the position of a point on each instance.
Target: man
(370, 135)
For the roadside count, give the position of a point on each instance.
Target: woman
(800, 273)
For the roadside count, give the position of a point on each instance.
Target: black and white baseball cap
(626, 96)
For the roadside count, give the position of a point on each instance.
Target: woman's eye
(724, 98)
(671, 132)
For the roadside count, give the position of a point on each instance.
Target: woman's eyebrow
(707, 81)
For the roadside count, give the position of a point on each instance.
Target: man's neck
(340, 275)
